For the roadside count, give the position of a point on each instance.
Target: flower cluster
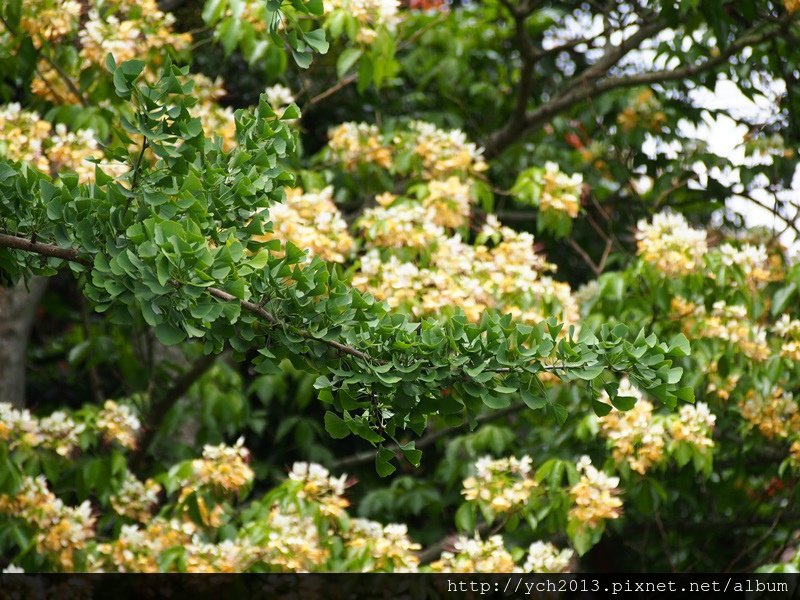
(60, 530)
(138, 548)
(594, 496)
(389, 547)
(752, 260)
(693, 425)
(311, 220)
(508, 276)
(47, 21)
(222, 467)
(118, 423)
(448, 202)
(561, 193)
(788, 330)
(503, 485)
(57, 432)
(353, 143)
(776, 415)
(473, 555)
(26, 137)
(670, 244)
(135, 499)
(402, 224)
(726, 322)
(123, 28)
(127, 30)
(279, 96)
(289, 541)
(634, 435)
(370, 14)
(642, 111)
(544, 557)
(443, 152)
(317, 485)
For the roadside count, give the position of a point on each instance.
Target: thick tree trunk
(17, 311)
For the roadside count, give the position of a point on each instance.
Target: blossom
(312, 221)
(279, 96)
(594, 496)
(693, 425)
(561, 192)
(775, 414)
(318, 485)
(388, 546)
(473, 555)
(634, 435)
(135, 499)
(503, 485)
(670, 244)
(544, 557)
(223, 467)
(118, 423)
(352, 143)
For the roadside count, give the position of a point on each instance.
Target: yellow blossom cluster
(544, 557)
(389, 546)
(507, 276)
(138, 548)
(124, 28)
(353, 143)
(788, 330)
(317, 485)
(560, 192)
(693, 424)
(719, 386)
(729, 322)
(311, 220)
(128, 29)
(370, 14)
(57, 432)
(791, 5)
(441, 153)
(670, 244)
(292, 542)
(60, 530)
(117, 422)
(136, 499)
(643, 110)
(402, 224)
(776, 414)
(222, 467)
(635, 436)
(640, 437)
(47, 21)
(473, 555)
(752, 260)
(448, 202)
(594, 496)
(503, 485)
(26, 137)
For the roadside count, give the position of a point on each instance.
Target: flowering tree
(349, 276)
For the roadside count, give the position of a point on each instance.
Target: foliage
(270, 288)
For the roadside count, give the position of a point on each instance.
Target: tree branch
(589, 82)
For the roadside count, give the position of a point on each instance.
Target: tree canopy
(476, 255)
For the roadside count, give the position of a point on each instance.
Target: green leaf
(679, 346)
(346, 60)
(383, 462)
(335, 426)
